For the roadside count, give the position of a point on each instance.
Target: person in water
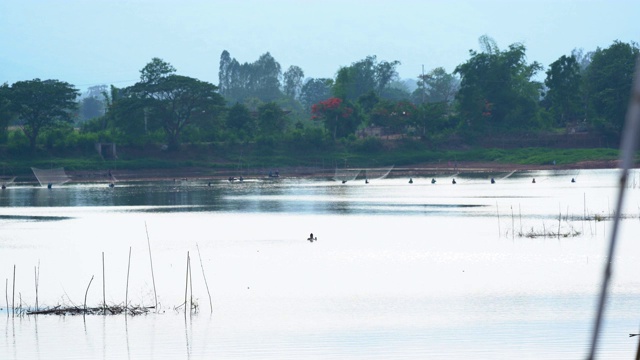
(493, 181)
(311, 238)
(453, 181)
(573, 180)
(433, 181)
(533, 181)
(410, 180)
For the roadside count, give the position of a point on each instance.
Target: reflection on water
(399, 270)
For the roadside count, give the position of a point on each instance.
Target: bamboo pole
(186, 285)
(205, 278)
(498, 213)
(6, 294)
(104, 301)
(155, 295)
(13, 293)
(190, 283)
(126, 294)
(35, 275)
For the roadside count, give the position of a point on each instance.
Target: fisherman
(573, 180)
(453, 181)
(410, 181)
(493, 181)
(433, 181)
(366, 181)
(533, 181)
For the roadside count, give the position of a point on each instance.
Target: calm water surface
(410, 271)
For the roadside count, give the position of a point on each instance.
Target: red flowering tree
(339, 117)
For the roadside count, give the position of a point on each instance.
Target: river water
(399, 270)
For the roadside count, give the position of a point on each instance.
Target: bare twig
(85, 294)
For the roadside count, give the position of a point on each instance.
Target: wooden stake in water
(186, 285)
(498, 212)
(126, 294)
(13, 293)
(36, 271)
(205, 278)
(513, 229)
(104, 302)
(153, 279)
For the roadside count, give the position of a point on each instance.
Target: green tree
(608, 85)
(40, 104)
(340, 118)
(260, 79)
(293, 81)
(240, 121)
(436, 86)
(174, 100)
(563, 95)
(272, 120)
(363, 76)
(497, 91)
(315, 90)
(5, 112)
(392, 116)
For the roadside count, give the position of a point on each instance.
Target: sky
(94, 42)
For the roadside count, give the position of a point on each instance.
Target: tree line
(494, 93)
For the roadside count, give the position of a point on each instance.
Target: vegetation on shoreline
(491, 109)
(243, 160)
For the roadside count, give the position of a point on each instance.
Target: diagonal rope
(628, 147)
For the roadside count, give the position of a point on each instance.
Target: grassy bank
(238, 159)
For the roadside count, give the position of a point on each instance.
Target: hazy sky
(92, 42)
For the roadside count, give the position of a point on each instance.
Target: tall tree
(293, 81)
(40, 104)
(155, 70)
(174, 100)
(608, 85)
(260, 79)
(436, 86)
(5, 112)
(363, 76)
(497, 91)
(315, 90)
(563, 94)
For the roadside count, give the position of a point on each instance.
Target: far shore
(416, 170)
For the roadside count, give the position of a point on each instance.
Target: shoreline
(424, 169)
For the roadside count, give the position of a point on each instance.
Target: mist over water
(399, 270)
